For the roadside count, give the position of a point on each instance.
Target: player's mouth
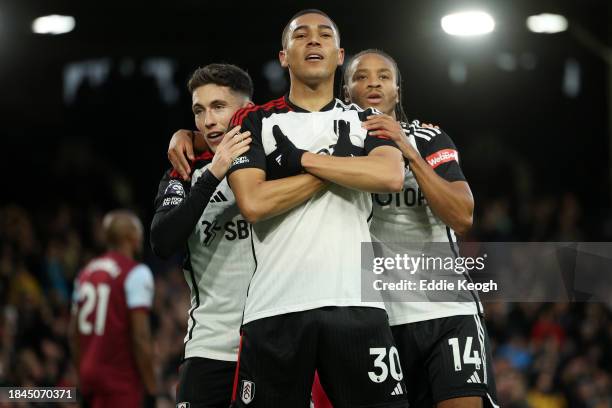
(313, 56)
(374, 98)
(214, 136)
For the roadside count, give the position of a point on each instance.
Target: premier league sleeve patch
(175, 188)
(174, 194)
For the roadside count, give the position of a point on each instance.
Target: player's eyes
(326, 35)
(384, 77)
(360, 77)
(300, 35)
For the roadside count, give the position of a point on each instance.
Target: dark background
(520, 135)
(85, 120)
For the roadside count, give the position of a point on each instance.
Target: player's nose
(210, 121)
(314, 40)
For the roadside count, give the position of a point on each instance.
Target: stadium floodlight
(53, 24)
(547, 23)
(468, 23)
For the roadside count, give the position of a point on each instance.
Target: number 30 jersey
(310, 256)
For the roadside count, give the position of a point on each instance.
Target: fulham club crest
(248, 391)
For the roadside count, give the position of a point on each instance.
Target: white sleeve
(139, 287)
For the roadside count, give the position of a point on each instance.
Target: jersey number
(94, 297)
(382, 371)
(467, 359)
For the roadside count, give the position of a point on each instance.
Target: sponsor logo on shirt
(240, 160)
(218, 198)
(398, 390)
(409, 197)
(441, 157)
(231, 230)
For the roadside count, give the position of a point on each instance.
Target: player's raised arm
(438, 174)
(179, 206)
(380, 171)
(450, 199)
(181, 150)
(258, 198)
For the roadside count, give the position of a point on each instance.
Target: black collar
(296, 108)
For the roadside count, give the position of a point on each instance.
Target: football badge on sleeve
(175, 188)
(174, 194)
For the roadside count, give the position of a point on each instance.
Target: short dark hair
(301, 13)
(223, 75)
(399, 109)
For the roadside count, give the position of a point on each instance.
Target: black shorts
(205, 383)
(351, 348)
(446, 358)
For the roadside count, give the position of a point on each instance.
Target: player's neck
(312, 97)
(124, 250)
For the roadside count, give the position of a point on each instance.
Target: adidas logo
(474, 379)
(398, 390)
(218, 198)
(278, 159)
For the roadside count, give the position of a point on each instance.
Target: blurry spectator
(570, 215)
(543, 394)
(547, 327)
(511, 386)
(517, 353)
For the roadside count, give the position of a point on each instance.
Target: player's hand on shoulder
(385, 126)
(234, 144)
(180, 151)
(286, 159)
(344, 147)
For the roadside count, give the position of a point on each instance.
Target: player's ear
(247, 104)
(282, 57)
(340, 56)
(397, 91)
